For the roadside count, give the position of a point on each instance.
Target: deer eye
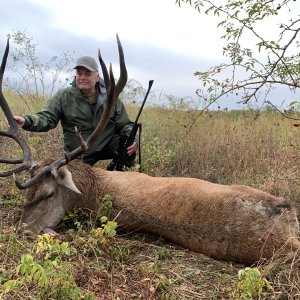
(50, 195)
(46, 194)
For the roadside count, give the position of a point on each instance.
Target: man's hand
(20, 120)
(132, 149)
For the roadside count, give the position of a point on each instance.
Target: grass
(260, 149)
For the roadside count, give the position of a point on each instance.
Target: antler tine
(104, 72)
(26, 161)
(111, 102)
(123, 71)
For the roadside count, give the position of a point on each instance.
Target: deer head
(26, 162)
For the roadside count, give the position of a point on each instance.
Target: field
(255, 148)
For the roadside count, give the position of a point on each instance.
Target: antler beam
(13, 132)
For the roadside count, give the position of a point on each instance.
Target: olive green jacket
(70, 108)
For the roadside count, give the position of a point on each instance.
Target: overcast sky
(161, 41)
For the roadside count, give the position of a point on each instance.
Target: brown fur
(234, 223)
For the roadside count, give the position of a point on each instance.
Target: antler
(13, 132)
(113, 91)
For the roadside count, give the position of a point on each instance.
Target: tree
(256, 63)
(32, 77)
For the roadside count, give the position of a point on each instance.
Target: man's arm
(44, 120)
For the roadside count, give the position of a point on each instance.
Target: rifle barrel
(144, 101)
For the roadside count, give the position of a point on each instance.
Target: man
(82, 105)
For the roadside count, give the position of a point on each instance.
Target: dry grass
(257, 149)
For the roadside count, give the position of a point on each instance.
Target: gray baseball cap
(88, 63)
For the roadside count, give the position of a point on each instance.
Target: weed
(47, 269)
(79, 219)
(163, 253)
(106, 208)
(250, 284)
(162, 285)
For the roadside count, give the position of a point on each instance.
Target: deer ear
(64, 179)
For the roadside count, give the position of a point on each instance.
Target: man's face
(85, 79)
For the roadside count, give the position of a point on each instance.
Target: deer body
(234, 223)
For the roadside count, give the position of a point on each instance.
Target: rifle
(120, 158)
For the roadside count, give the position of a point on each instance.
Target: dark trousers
(108, 153)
